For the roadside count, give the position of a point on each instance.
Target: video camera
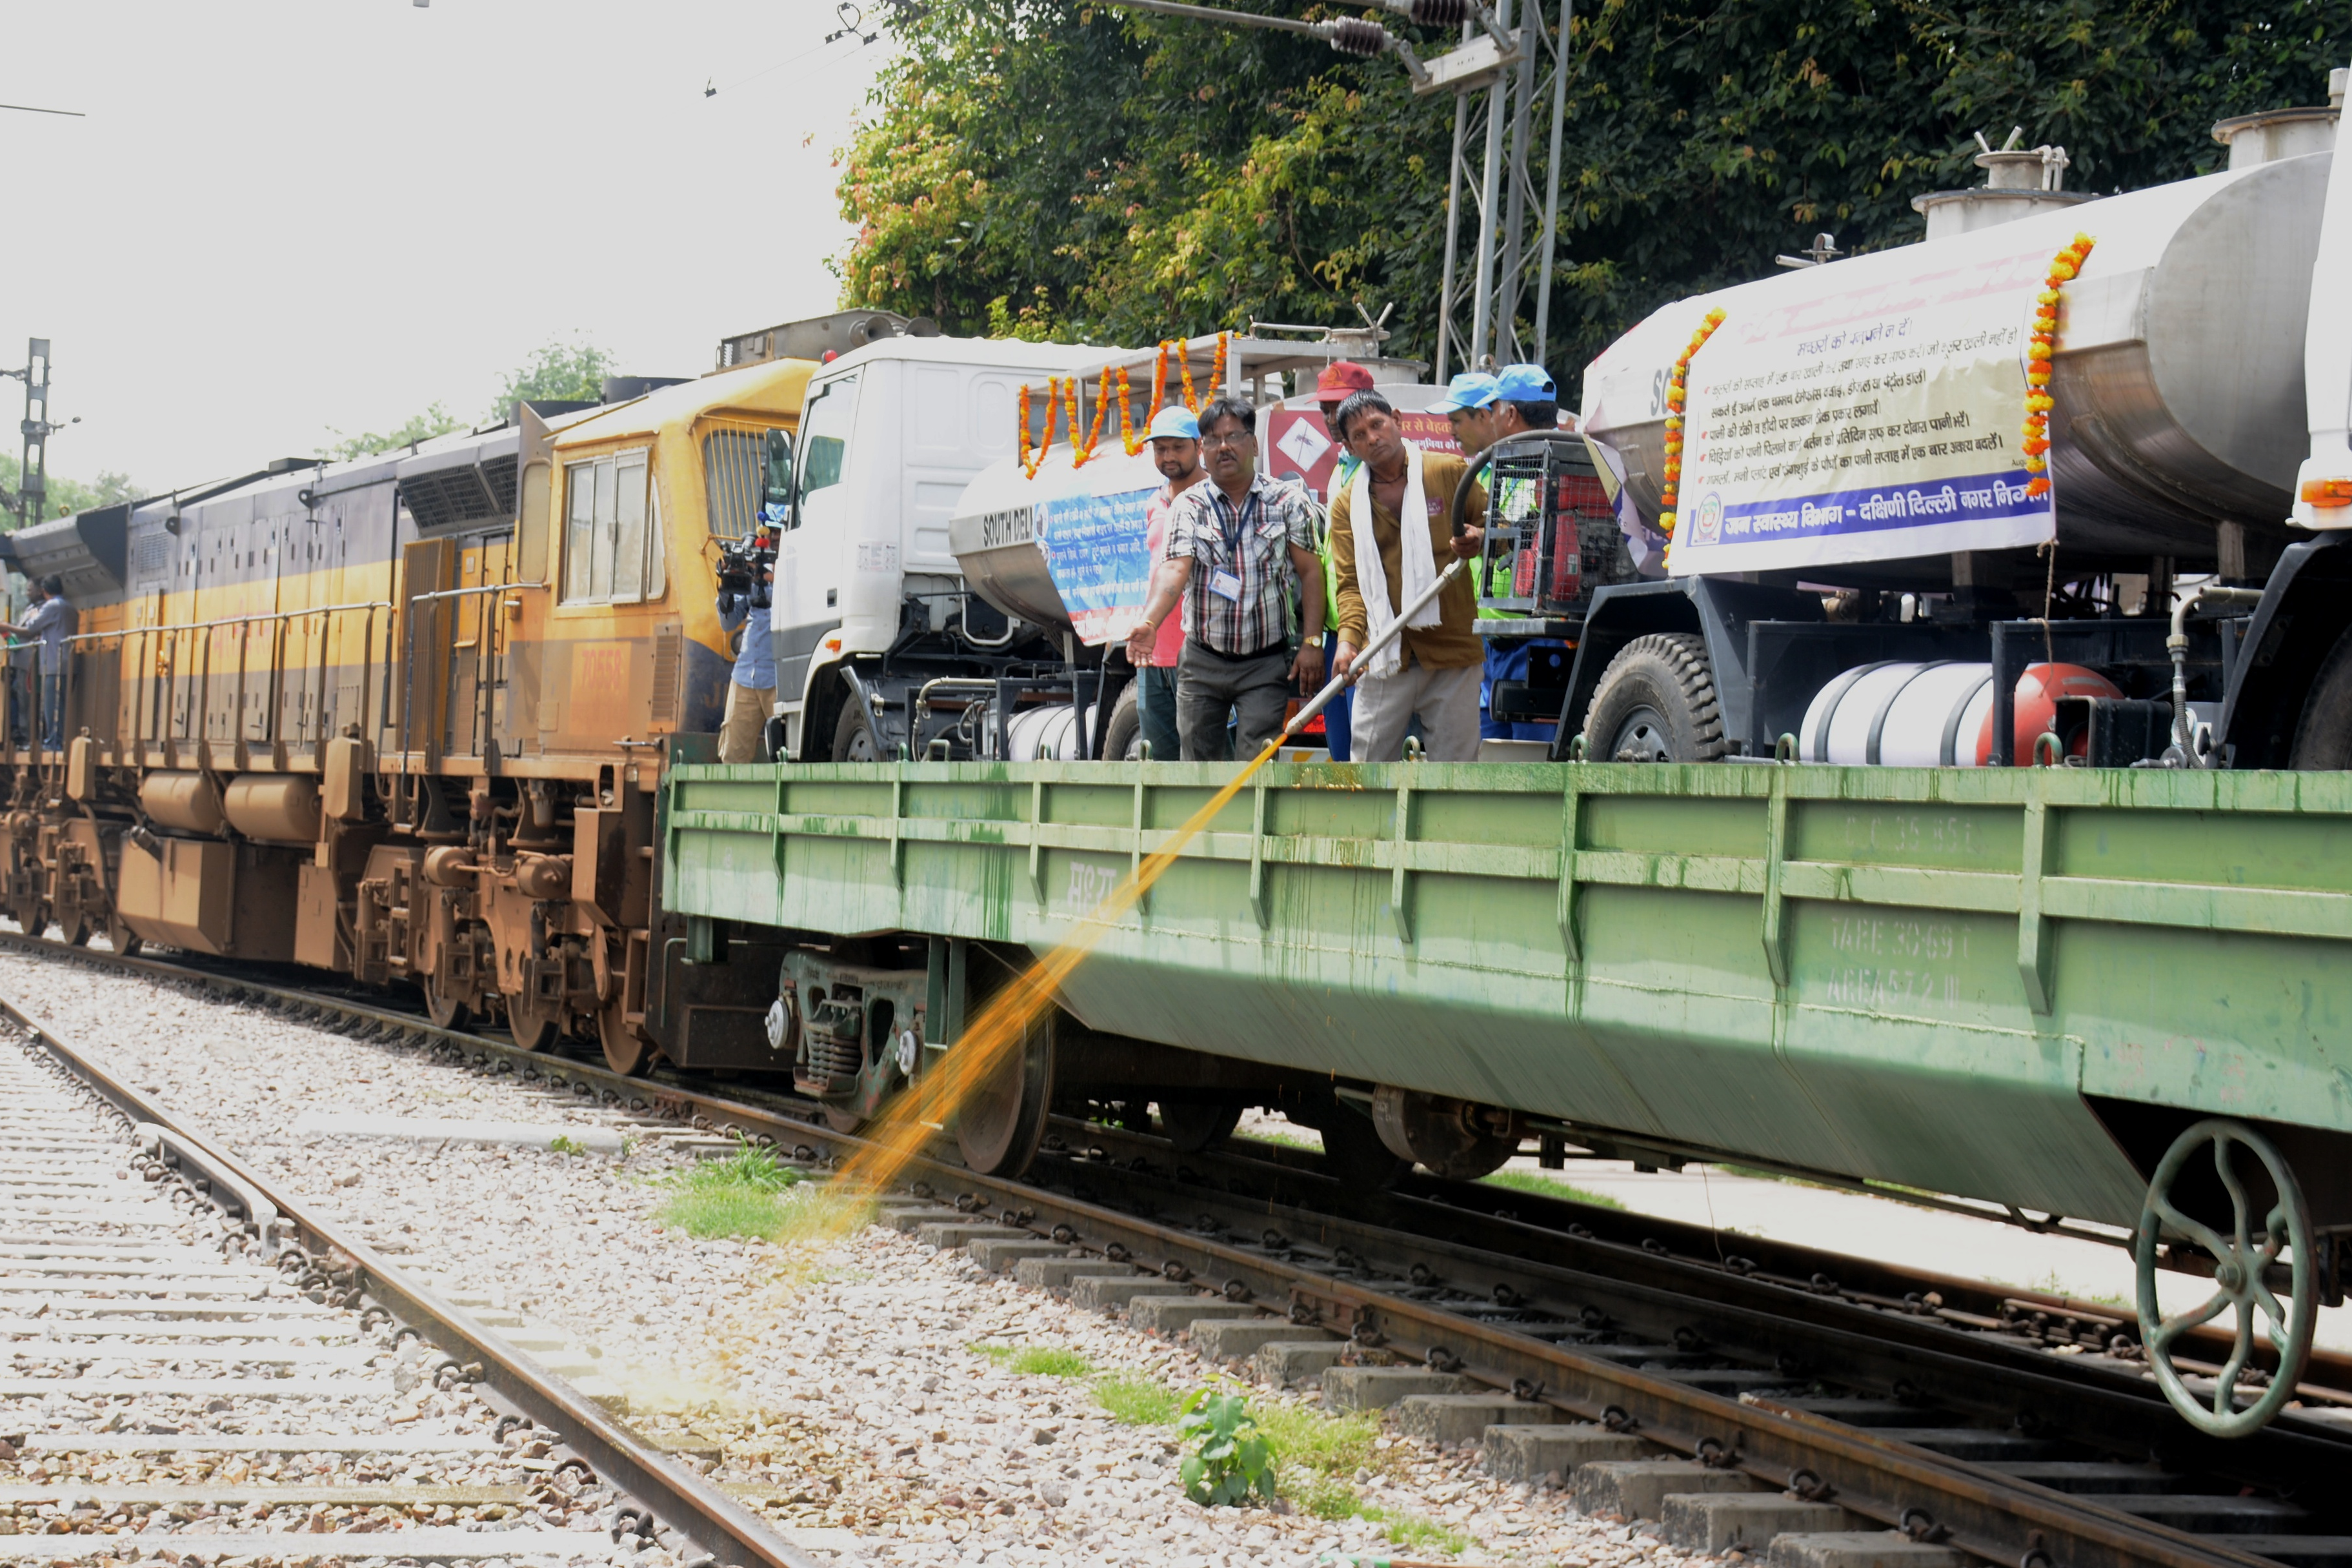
(745, 565)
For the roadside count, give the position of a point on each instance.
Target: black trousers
(1255, 687)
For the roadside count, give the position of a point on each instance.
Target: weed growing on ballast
(1230, 1458)
(738, 1195)
(1037, 1361)
(565, 1143)
(1136, 1401)
(1127, 1400)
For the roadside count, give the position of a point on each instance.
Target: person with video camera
(751, 690)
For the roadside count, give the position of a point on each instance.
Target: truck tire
(1123, 742)
(2323, 737)
(1656, 703)
(852, 741)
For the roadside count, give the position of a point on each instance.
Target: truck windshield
(748, 475)
(825, 435)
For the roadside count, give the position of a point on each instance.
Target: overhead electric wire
(30, 109)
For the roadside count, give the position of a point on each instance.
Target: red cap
(1341, 377)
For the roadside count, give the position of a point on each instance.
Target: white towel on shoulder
(1417, 560)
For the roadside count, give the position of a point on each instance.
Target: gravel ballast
(845, 1386)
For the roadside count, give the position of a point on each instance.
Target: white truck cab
(881, 638)
(890, 435)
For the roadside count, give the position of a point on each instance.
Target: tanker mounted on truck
(1854, 427)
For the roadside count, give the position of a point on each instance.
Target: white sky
(283, 217)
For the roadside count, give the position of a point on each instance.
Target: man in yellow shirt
(1392, 529)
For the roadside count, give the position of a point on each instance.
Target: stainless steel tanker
(2177, 372)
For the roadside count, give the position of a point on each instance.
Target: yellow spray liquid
(903, 1130)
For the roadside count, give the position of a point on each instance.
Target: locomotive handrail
(478, 588)
(163, 668)
(236, 620)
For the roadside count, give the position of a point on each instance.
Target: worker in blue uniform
(1483, 410)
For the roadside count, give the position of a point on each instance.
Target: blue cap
(1471, 389)
(1526, 384)
(1175, 423)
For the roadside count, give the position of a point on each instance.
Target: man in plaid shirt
(1238, 548)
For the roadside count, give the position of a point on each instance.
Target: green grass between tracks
(1536, 1182)
(739, 1195)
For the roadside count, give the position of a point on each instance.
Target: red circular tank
(2038, 691)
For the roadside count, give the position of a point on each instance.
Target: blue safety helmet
(1471, 389)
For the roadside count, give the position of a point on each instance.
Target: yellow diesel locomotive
(405, 718)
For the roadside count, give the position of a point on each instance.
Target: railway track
(1823, 1391)
(199, 1367)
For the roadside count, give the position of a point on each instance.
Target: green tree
(1038, 167)
(64, 496)
(435, 421)
(573, 371)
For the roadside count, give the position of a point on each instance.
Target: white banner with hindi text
(1865, 423)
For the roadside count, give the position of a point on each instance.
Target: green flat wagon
(2090, 993)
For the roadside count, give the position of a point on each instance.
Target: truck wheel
(2323, 737)
(853, 740)
(1123, 742)
(1656, 703)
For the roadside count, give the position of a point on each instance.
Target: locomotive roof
(769, 387)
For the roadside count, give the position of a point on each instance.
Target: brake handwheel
(2243, 1262)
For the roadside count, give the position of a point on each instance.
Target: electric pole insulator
(1351, 36)
(1440, 13)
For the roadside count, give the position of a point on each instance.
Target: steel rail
(1863, 1292)
(704, 1515)
(1988, 1514)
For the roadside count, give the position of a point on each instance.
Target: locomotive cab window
(748, 475)
(612, 532)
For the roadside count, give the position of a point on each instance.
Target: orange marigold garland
(1127, 439)
(1030, 463)
(2063, 266)
(1079, 453)
(1675, 397)
(1058, 394)
(1184, 366)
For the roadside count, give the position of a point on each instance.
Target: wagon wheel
(126, 942)
(446, 1011)
(1000, 1111)
(533, 1023)
(1192, 1126)
(31, 914)
(628, 1051)
(1353, 1153)
(78, 933)
(2242, 1261)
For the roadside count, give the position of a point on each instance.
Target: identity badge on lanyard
(1224, 584)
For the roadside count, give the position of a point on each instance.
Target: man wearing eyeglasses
(1238, 548)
